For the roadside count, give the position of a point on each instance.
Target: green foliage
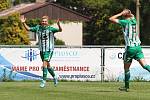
(103, 31)
(145, 22)
(32, 0)
(16, 2)
(33, 22)
(59, 42)
(12, 32)
(99, 30)
(96, 30)
(4, 4)
(139, 79)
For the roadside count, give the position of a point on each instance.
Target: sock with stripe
(44, 73)
(127, 77)
(51, 71)
(147, 67)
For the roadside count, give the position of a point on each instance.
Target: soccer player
(133, 49)
(46, 45)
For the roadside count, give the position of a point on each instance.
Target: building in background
(72, 22)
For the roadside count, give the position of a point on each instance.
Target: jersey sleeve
(54, 30)
(123, 22)
(34, 29)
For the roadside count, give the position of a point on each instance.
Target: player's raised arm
(59, 27)
(23, 20)
(115, 19)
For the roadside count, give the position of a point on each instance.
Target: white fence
(93, 63)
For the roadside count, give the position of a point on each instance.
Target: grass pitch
(73, 91)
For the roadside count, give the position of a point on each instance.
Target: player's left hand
(58, 21)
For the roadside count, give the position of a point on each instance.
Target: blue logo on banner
(30, 55)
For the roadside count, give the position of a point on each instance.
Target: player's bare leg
(144, 64)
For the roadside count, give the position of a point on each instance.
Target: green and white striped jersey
(45, 37)
(130, 33)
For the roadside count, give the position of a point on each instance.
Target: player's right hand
(125, 12)
(22, 18)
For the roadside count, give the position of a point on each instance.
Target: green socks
(147, 67)
(44, 73)
(51, 71)
(127, 77)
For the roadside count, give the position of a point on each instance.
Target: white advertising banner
(69, 63)
(114, 68)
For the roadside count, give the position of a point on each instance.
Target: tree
(12, 32)
(4, 4)
(99, 30)
(145, 22)
(59, 42)
(16, 2)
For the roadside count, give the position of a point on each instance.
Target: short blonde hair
(45, 17)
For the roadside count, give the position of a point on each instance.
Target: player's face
(44, 22)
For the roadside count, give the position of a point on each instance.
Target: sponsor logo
(66, 54)
(30, 55)
(118, 55)
(113, 56)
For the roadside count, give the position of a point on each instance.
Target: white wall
(71, 33)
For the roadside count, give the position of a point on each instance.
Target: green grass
(73, 91)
